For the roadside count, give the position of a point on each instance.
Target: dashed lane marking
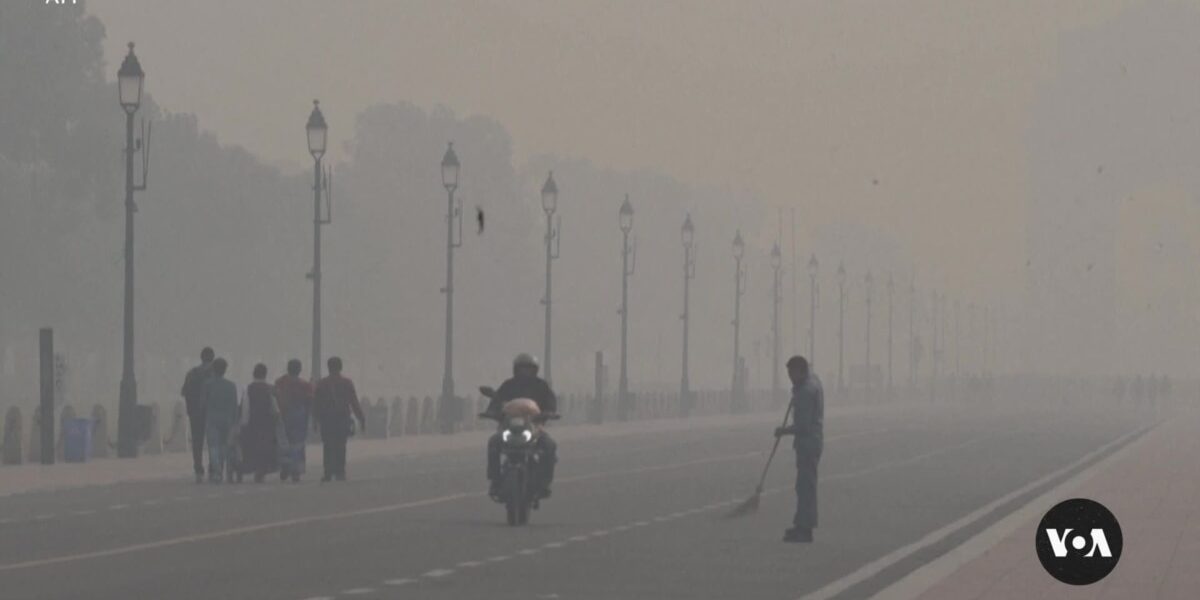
(435, 573)
(398, 582)
(358, 591)
(467, 564)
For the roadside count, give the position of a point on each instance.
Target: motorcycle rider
(524, 383)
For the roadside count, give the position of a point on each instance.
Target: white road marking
(82, 513)
(149, 502)
(578, 538)
(467, 564)
(528, 551)
(499, 558)
(438, 573)
(599, 533)
(552, 545)
(641, 523)
(398, 581)
(874, 567)
(118, 507)
(288, 523)
(358, 591)
(320, 598)
(42, 517)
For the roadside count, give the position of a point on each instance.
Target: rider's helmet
(524, 360)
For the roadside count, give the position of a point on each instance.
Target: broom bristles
(749, 506)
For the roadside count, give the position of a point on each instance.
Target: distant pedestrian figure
(808, 425)
(295, 398)
(259, 417)
(195, 388)
(221, 414)
(335, 399)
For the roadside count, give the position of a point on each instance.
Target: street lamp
(450, 168)
(628, 263)
(549, 205)
(869, 290)
(776, 299)
(812, 310)
(318, 135)
(689, 272)
(739, 279)
(841, 279)
(891, 292)
(913, 357)
(130, 79)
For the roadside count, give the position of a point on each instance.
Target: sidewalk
(19, 479)
(1153, 488)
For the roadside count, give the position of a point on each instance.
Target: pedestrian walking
(221, 415)
(808, 424)
(334, 400)
(259, 417)
(295, 397)
(195, 388)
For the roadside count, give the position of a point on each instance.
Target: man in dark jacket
(194, 390)
(524, 383)
(808, 425)
(334, 400)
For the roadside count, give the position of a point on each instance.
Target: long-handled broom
(751, 503)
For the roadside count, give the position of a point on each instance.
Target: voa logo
(1058, 542)
(1079, 541)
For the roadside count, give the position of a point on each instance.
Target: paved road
(633, 517)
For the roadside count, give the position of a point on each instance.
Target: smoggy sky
(912, 119)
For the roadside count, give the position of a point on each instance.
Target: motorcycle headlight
(505, 435)
(527, 434)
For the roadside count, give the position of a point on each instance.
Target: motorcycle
(520, 423)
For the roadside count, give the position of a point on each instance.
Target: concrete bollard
(99, 432)
(377, 419)
(396, 417)
(177, 439)
(67, 412)
(35, 443)
(153, 444)
(12, 437)
(412, 417)
(428, 417)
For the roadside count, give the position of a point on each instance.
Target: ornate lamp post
(130, 80)
(628, 263)
(869, 284)
(812, 310)
(549, 206)
(739, 280)
(841, 279)
(689, 272)
(891, 292)
(318, 137)
(450, 168)
(776, 300)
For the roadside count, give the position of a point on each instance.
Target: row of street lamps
(131, 79)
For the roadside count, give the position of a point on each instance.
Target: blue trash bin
(77, 439)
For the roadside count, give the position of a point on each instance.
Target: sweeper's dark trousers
(808, 455)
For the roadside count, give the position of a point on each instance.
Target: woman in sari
(295, 397)
(260, 415)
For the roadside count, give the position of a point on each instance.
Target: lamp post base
(126, 442)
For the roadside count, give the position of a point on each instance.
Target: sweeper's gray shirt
(808, 412)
